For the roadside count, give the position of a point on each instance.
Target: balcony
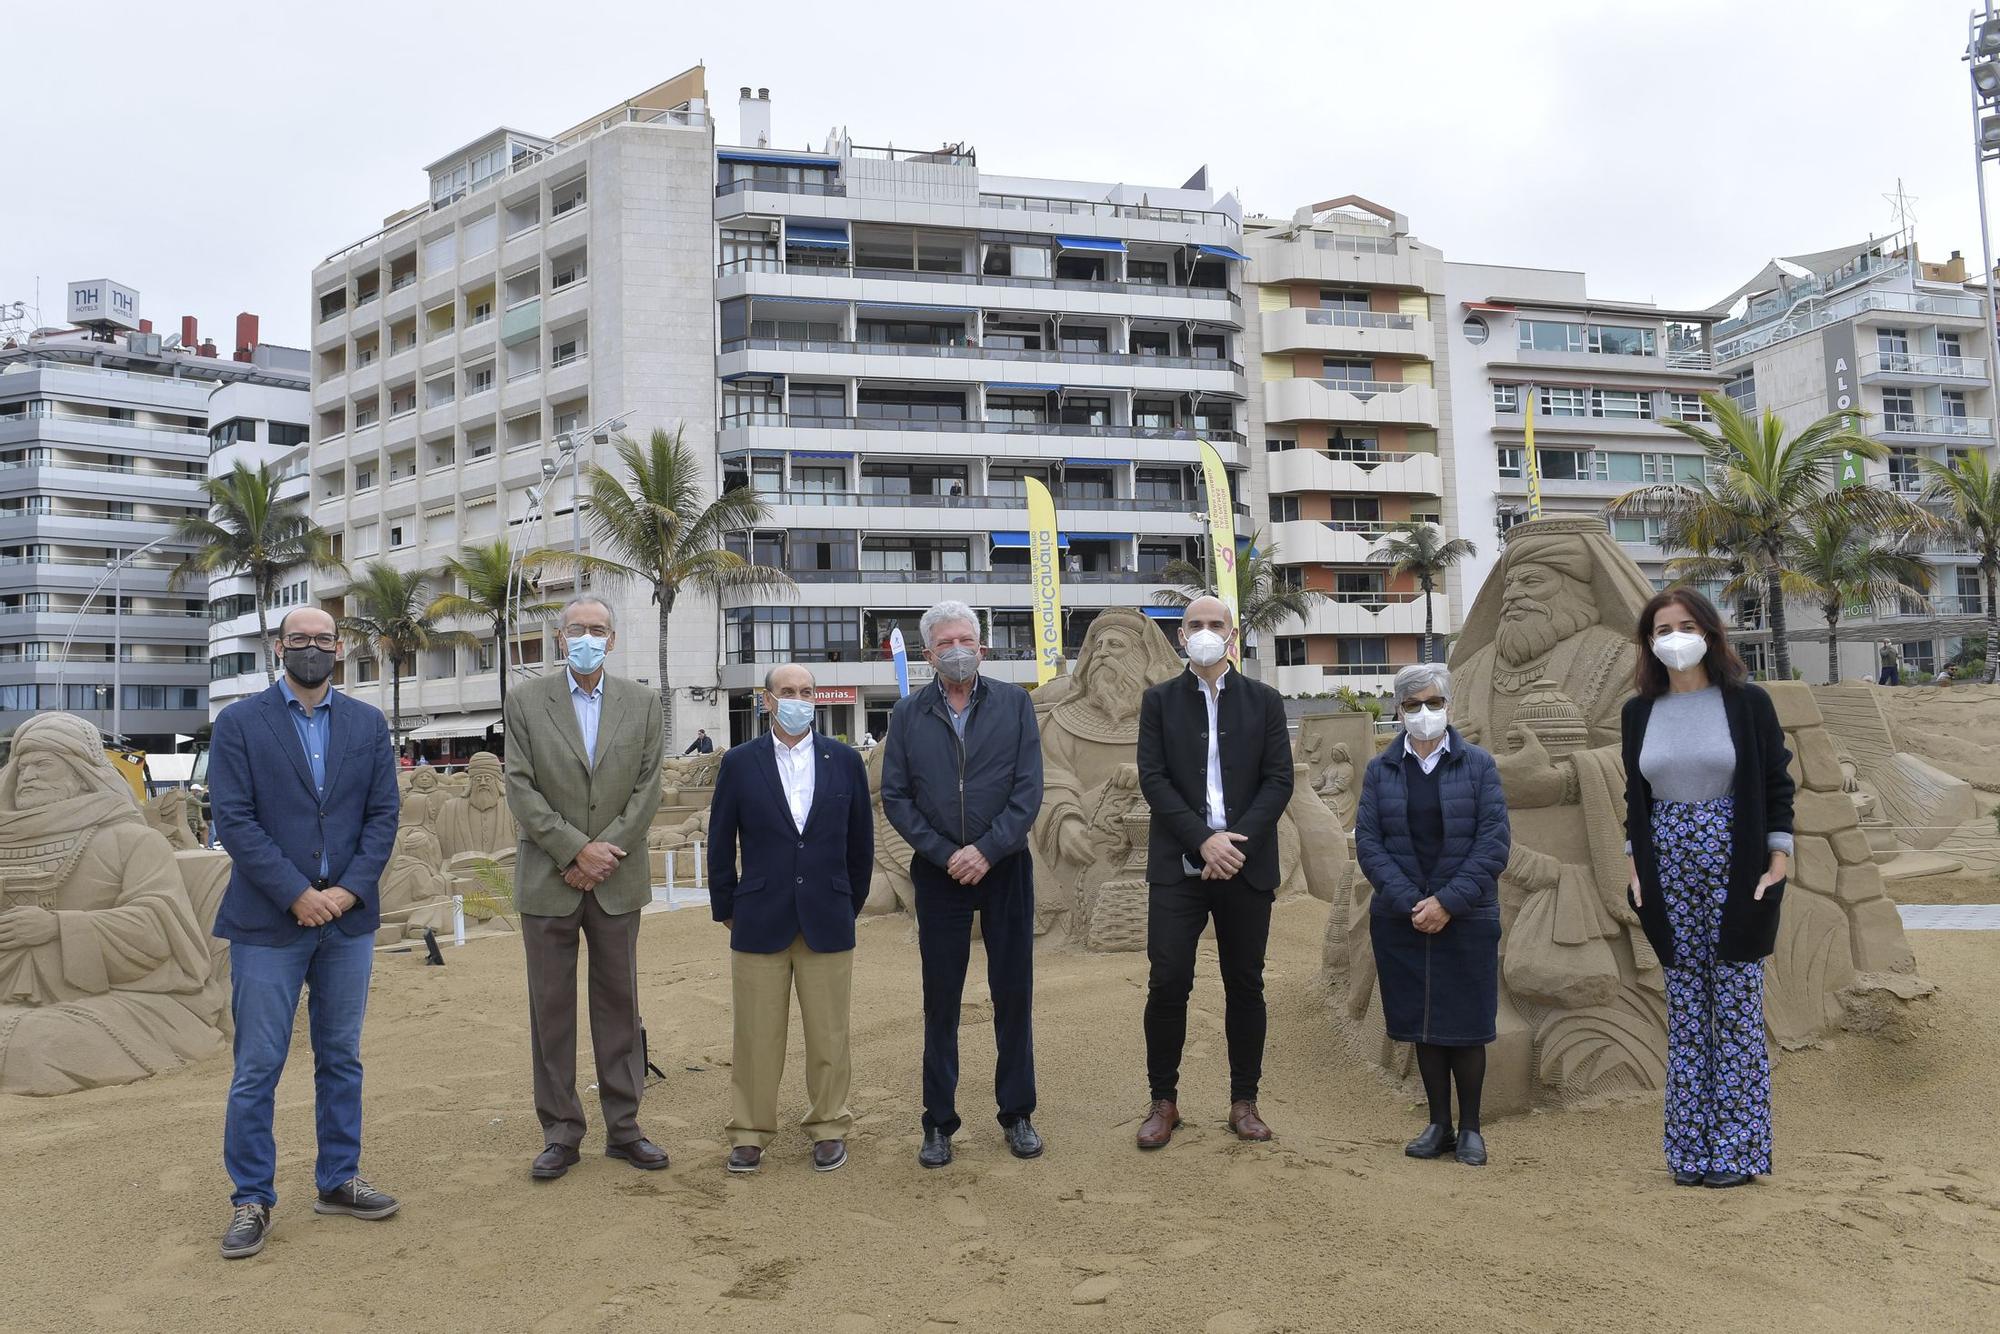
(1372, 401)
(1930, 428)
(1192, 217)
(1375, 614)
(1327, 541)
(831, 286)
(1387, 262)
(1918, 368)
(1065, 430)
(1359, 472)
(1324, 678)
(809, 500)
(1354, 332)
(962, 352)
(1861, 304)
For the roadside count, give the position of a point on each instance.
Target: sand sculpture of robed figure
(106, 972)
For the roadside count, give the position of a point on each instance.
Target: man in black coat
(1215, 764)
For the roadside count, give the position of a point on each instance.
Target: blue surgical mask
(795, 716)
(586, 652)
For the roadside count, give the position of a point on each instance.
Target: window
(755, 251)
(396, 536)
(1948, 346)
(1899, 410)
(1619, 340)
(1080, 339)
(479, 312)
(236, 430)
(1954, 403)
(1077, 410)
(1362, 650)
(940, 255)
(1903, 471)
(1278, 445)
(1893, 343)
(804, 634)
(479, 380)
(1004, 481)
(908, 333)
(1157, 484)
(566, 197)
(118, 509)
(1342, 298)
(913, 479)
(1687, 408)
(1357, 509)
(1550, 336)
(1507, 398)
(809, 481)
(563, 350)
(1291, 651)
(751, 403)
(1627, 404)
(1014, 337)
(1152, 343)
(1359, 585)
(917, 555)
(1086, 484)
(819, 400)
(1510, 461)
(1147, 272)
(1475, 330)
(885, 248)
(1636, 532)
(286, 434)
(1018, 409)
(1284, 509)
(822, 549)
(364, 476)
(1153, 414)
(1560, 402)
(910, 405)
(1742, 390)
(1346, 371)
(1573, 465)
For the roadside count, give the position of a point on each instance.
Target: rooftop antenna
(1904, 206)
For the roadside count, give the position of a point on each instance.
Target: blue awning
(1021, 539)
(1221, 252)
(1106, 243)
(799, 234)
(774, 160)
(1165, 613)
(1030, 388)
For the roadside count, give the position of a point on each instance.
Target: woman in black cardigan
(1708, 825)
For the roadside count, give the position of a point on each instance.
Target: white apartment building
(1356, 433)
(546, 285)
(1872, 326)
(905, 341)
(104, 443)
(1604, 375)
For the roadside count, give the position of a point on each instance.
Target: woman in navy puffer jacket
(1431, 836)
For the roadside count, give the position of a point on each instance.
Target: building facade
(1875, 328)
(548, 288)
(1354, 420)
(905, 341)
(104, 444)
(1602, 376)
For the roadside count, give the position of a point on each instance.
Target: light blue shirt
(589, 706)
(315, 729)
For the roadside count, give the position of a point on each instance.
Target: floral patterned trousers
(1718, 1069)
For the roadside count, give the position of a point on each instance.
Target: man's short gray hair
(587, 600)
(946, 613)
(1416, 679)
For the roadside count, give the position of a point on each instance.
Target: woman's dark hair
(1725, 668)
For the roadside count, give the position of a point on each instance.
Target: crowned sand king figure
(105, 972)
(479, 821)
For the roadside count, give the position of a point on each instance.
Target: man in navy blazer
(302, 782)
(796, 804)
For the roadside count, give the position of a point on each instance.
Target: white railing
(1360, 319)
(1364, 388)
(1922, 363)
(1803, 321)
(1916, 423)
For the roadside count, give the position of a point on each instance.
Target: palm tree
(663, 529)
(1760, 489)
(1420, 550)
(1969, 489)
(1847, 564)
(249, 530)
(483, 570)
(389, 614)
(1264, 600)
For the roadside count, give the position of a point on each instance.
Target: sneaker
(248, 1227)
(357, 1199)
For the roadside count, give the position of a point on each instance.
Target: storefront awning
(1021, 539)
(1221, 252)
(1165, 613)
(1104, 243)
(831, 237)
(456, 726)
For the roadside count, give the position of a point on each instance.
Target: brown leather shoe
(745, 1158)
(1160, 1124)
(1243, 1119)
(829, 1155)
(553, 1161)
(641, 1153)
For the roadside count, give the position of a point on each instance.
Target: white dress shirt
(798, 771)
(589, 706)
(1430, 761)
(1212, 696)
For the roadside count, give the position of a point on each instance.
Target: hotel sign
(1837, 343)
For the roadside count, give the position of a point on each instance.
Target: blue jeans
(264, 996)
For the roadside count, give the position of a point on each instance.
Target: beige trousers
(761, 986)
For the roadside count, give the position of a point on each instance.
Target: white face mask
(1424, 724)
(1205, 648)
(1679, 649)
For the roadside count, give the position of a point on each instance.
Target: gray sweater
(1687, 754)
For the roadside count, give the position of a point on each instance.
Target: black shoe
(357, 1199)
(641, 1153)
(829, 1155)
(1022, 1141)
(1471, 1148)
(1724, 1180)
(1435, 1142)
(937, 1149)
(248, 1227)
(1685, 1178)
(745, 1158)
(553, 1161)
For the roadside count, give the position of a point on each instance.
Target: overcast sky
(210, 154)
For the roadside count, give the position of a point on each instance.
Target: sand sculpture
(1906, 805)
(167, 813)
(423, 795)
(107, 970)
(416, 892)
(678, 838)
(1336, 748)
(478, 821)
(1542, 667)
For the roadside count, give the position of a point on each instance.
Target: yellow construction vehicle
(129, 761)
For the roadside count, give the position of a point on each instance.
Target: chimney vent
(190, 338)
(754, 118)
(246, 335)
(207, 347)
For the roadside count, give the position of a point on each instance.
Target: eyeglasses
(311, 641)
(595, 631)
(1434, 705)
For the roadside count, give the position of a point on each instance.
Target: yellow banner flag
(1530, 464)
(1045, 571)
(1222, 539)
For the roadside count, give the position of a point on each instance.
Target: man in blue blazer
(302, 783)
(796, 803)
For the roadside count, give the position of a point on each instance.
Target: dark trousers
(551, 944)
(1175, 917)
(1005, 903)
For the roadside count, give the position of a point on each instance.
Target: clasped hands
(317, 907)
(1221, 858)
(1430, 916)
(968, 866)
(593, 866)
(26, 927)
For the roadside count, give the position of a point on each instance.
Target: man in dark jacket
(1215, 764)
(796, 803)
(962, 781)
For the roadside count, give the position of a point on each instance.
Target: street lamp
(115, 573)
(1982, 51)
(569, 449)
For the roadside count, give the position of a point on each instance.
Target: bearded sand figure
(1543, 665)
(106, 971)
(422, 798)
(167, 813)
(478, 821)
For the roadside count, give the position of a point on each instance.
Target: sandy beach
(1884, 1213)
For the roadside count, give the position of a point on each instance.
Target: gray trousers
(551, 944)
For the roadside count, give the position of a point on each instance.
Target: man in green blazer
(583, 781)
